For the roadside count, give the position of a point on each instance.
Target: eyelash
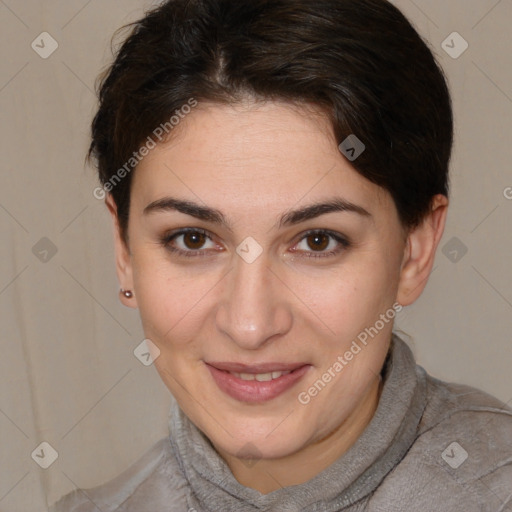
(169, 237)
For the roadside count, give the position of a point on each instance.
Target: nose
(254, 307)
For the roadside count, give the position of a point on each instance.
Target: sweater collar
(356, 474)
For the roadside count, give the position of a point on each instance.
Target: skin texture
(255, 162)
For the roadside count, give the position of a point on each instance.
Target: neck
(271, 474)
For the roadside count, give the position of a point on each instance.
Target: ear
(123, 256)
(420, 250)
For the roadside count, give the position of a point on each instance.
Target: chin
(251, 443)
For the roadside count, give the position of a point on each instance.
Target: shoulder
(462, 456)
(460, 414)
(152, 481)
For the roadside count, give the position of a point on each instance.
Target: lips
(258, 382)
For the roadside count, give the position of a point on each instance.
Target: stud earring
(127, 293)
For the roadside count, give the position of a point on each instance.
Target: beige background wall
(68, 375)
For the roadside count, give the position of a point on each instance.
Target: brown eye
(194, 240)
(318, 241)
(189, 242)
(321, 244)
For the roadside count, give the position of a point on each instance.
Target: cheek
(171, 302)
(343, 302)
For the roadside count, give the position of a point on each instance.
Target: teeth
(260, 377)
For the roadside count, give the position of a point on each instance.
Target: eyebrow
(336, 204)
(290, 218)
(188, 208)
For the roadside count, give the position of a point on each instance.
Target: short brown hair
(360, 61)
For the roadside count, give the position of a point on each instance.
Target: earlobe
(420, 250)
(122, 258)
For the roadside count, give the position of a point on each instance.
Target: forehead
(263, 156)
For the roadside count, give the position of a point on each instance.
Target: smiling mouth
(258, 383)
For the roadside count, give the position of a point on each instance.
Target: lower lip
(254, 391)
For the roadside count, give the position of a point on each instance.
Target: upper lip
(254, 368)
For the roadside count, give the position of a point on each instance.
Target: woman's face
(256, 248)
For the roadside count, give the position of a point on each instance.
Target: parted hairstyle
(361, 62)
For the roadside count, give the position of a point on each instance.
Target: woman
(277, 175)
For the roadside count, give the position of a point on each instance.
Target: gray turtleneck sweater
(430, 447)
